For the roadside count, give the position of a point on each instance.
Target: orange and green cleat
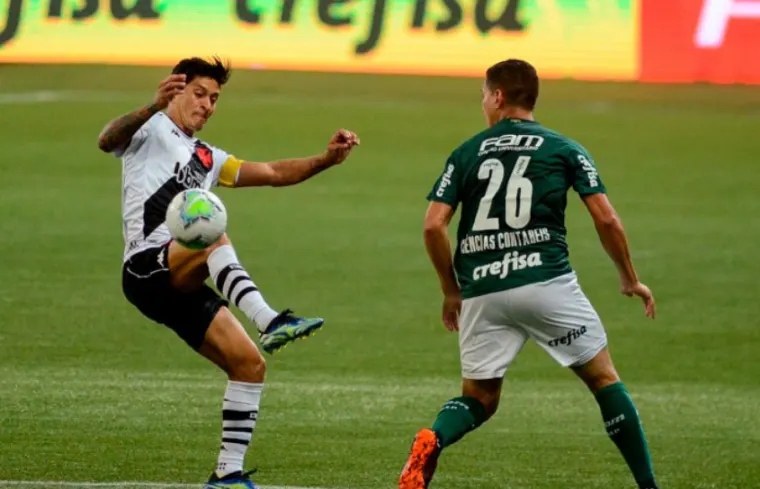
(423, 459)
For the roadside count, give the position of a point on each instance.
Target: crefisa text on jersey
(445, 180)
(504, 240)
(588, 167)
(513, 260)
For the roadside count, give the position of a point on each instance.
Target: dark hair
(517, 79)
(214, 68)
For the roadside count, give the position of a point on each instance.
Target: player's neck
(515, 113)
(177, 120)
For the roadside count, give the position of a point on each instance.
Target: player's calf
(476, 405)
(621, 418)
(487, 391)
(457, 417)
(228, 345)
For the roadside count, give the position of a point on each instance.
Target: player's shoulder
(471, 146)
(209, 145)
(160, 122)
(164, 126)
(142, 137)
(219, 155)
(561, 141)
(158, 126)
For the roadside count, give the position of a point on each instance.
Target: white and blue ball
(196, 218)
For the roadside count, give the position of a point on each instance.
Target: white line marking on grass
(250, 100)
(93, 484)
(52, 96)
(28, 97)
(121, 485)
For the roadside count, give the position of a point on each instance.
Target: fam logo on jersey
(571, 336)
(511, 142)
(512, 261)
(445, 180)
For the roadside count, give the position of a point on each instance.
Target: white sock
(236, 285)
(239, 414)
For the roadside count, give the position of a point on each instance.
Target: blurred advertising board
(587, 39)
(714, 41)
(648, 40)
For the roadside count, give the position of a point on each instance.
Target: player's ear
(501, 100)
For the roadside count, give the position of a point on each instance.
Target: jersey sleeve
(583, 173)
(137, 141)
(446, 188)
(226, 168)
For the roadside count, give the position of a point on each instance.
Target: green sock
(458, 417)
(624, 428)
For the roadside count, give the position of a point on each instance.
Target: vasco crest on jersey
(204, 155)
(194, 173)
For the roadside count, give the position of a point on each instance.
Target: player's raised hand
(169, 88)
(452, 305)
(642, 291)
(340, 146)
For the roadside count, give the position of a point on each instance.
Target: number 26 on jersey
(518, 197)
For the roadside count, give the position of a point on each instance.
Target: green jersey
(512, 182)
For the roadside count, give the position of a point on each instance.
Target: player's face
(491, 103)
(197, 103)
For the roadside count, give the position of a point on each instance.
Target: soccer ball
(196, 218)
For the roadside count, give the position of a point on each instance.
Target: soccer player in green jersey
(510, 279)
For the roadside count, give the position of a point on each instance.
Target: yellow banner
(587, 39)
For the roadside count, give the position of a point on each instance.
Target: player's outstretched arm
(118, 133)
(292, 171)
(437, 219)
(612, 235)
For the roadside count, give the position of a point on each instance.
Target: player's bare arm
(293, 171)
(612, 235)
(118, 133)
(438, 247)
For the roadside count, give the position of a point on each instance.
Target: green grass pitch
(91, 391)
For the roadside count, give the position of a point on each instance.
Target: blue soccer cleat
(286, 328)
(235, 480)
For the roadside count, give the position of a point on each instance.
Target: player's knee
(488, 392)
(599, 372)
(247, 368)
(224, 240)
(491, 403)
(600, 380)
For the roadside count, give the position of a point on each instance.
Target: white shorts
(556, 314)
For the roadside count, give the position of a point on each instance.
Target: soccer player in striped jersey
(161, 156)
